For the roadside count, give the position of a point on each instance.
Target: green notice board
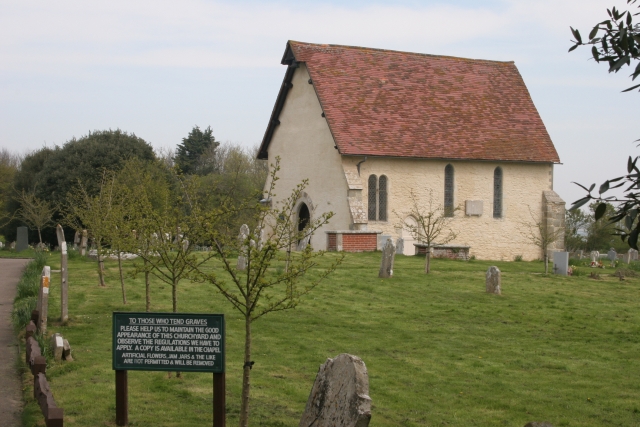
(184, 342)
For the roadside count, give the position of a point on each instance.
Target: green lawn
(439, 350)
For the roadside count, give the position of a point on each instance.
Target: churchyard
(439, 350)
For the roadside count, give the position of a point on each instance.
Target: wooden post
(219, 400)
(122, 399)
(64, 275)
(43, 300)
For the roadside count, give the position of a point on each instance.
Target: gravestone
(43, 300)
(493, 281)
(76, 240)
(66, 351)
(580, 254)
(561, 263)
(399, 246)
(1, 245)
(595, 257)
(340, 395)
(56, 343)
(388, 256)
(242, 240)
(626, 257)
(633, 254)
(612, 255)
(22, 240)
(64, 275)
(83, 243)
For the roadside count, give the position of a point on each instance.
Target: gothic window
(448, 190)
(497, 193)
(373, 192)
(382, 198)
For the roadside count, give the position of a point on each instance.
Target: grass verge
(439, 350)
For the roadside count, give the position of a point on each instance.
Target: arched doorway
(304, 216)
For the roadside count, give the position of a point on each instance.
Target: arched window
(373, 193)
(497, 193)
(448, 190)
(382, 198)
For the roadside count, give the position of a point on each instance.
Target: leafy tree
(616, 42)
(575, 227)
(9, 164)
(190, 154)
(537, 232)
(258, 290)
(601, 232)
(35, 212)
(95, 213)
(431, 227)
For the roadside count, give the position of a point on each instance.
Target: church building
(370, 127)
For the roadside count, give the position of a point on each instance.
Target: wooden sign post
(183, 342)
(64, 275)
(43, 300)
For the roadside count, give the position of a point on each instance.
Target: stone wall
(554, 216)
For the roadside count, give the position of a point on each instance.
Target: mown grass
(439, 350)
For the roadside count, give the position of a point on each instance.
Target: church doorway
(304, 216)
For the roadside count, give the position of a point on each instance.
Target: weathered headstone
(83, 243)
(493, 281)
(595, 257)
(561, 263)
(56, 344)
(340, 395)
(242, 240)
(66, 351)
(399, 246)
(626, 258)
(1, 245)
(633, 255)
(388, 256)
(64, 275)
(76, 240)
(612, 255)
(12, 246)
(43, 300)
(22, 240)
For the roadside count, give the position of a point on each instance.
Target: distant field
(439, 350)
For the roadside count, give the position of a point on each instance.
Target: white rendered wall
(305, 146)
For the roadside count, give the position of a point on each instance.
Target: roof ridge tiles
(373, 49)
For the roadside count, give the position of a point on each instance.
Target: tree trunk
(40, 237)
(174, 297)
(246, 375)
(427, 264)
(100, 264)
(124, 293)
(147, 287)
(546, 263)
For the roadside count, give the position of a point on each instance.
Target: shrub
(27, 292)
(517, 258)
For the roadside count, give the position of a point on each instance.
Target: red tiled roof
(399, 104)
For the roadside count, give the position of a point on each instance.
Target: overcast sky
(157, 68)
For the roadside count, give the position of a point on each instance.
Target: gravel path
(10, 392)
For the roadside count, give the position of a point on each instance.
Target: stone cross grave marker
(388, 256)
(43, 300)
(22, 241)
(64, 275)
(340, 395)
(493, 281)
(612, 255)
(242, 239)
(399, 246)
